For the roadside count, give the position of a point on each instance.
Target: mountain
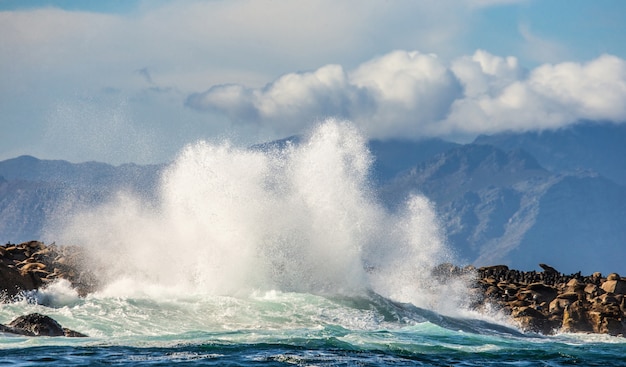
(394, 156)
(88, 174)
(504, 207)
(586, 146)
(34, 192)
(391, 156)
(580, 222)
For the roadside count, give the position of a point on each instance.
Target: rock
(12, 281)
(31, 265)
(613, 276)
(542, 293)
(531, 319)
(575, 286)
(572, 296)
(592, 290)
(38, 325)
(558, 305)
(73, 334)
(616, 286)
(607, 299)
(575, 318)
(548, 301)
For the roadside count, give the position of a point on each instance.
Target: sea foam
(295, 218)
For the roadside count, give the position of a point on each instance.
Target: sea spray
(298, 218)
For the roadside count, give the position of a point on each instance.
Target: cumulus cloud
(387, 95)
(411, 94)
(549, 96)
(242, 56)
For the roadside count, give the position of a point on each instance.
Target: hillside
(503, 207)
(590, 146)
(36, 192)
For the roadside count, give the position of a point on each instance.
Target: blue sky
(134, 81)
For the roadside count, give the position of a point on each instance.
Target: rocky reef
(35, 324)
(32, 265)
(545, 302)
(548, 301)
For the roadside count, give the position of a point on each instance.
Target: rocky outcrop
(38, 325)
(544, 302)
(548, 301)
(32, 265)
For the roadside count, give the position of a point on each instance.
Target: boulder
(575, 318)
(542, 293)
(606, 323)
(12, 281)
(38, 325)
(530, 319)
(558, 305)
(592, 290)
(616, 286)
(613, 276)
(575, 286)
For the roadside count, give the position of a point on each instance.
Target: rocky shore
(545, 302)
(33, 265)
(549, 302)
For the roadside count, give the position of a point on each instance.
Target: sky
(122, 81)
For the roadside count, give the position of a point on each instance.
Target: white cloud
(410, 94)
(483, 73)
(276, 66)
(194, 43)
(283, 103)
(387, 95)
(550, 96)
(410, 91)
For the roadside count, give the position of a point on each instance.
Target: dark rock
(12, 281)
(530, 319)
(32, 265)
(38, 325)
(542, 293)
(572, 296)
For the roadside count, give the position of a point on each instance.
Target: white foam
(58, 294)
(230, 221)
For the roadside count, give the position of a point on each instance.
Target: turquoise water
(281, 329)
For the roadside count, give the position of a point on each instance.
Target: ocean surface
(282, 329)
(281, 256)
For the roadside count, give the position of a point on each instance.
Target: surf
(298, 217)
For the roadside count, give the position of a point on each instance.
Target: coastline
(543, 302)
